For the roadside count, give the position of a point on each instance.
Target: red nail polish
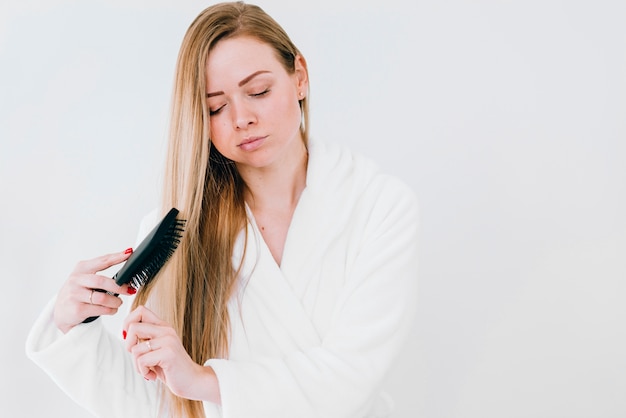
(128, 251)
(124, 334)
(131, 290)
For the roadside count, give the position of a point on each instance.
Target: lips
(251, 143)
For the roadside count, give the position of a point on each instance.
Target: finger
(144, 347)
(96, 310)
(103, 299)
(141, 314)
(146, 358)
(101, 303)
(103, 262)
(96, 281)
(80, 292)
(137, 333)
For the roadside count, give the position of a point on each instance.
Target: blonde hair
(193, 289)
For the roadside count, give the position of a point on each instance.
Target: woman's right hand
(77, 299)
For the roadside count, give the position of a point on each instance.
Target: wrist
(205, 387)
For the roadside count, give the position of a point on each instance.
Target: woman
(293, 288)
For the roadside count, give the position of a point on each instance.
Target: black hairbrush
(151, 254)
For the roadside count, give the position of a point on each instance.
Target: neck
(278, 185)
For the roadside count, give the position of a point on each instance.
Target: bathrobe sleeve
(91, 365)
(341, 373)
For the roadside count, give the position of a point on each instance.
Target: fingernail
(128, 251)
(124, 333)
(131, 290)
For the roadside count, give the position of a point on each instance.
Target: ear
(302, 74)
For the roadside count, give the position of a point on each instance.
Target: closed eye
(216, 111)
(213, 112)
(264, 92)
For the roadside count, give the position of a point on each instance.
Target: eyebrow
(241, 83)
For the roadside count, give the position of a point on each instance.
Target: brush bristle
(160, 255)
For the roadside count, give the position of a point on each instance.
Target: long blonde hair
(193, 289)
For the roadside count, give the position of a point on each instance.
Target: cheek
(218, 136)
(288, 111)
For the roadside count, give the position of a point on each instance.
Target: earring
(301, 94)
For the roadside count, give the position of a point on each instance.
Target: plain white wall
(507, 117)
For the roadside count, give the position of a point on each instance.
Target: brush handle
(93, 318)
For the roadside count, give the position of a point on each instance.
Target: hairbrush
(150, 255)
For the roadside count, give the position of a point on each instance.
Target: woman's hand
(158, 353)
(77, 299)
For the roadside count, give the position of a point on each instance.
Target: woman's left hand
(158, 353)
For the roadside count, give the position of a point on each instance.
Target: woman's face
(253, 100)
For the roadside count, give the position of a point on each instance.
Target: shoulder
(334, 166)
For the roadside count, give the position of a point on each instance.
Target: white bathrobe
(312, 337)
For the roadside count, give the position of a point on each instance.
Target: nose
(242, 115)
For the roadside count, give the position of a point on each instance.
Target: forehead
(233, 59)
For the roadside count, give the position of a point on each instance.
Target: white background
(507, 118)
